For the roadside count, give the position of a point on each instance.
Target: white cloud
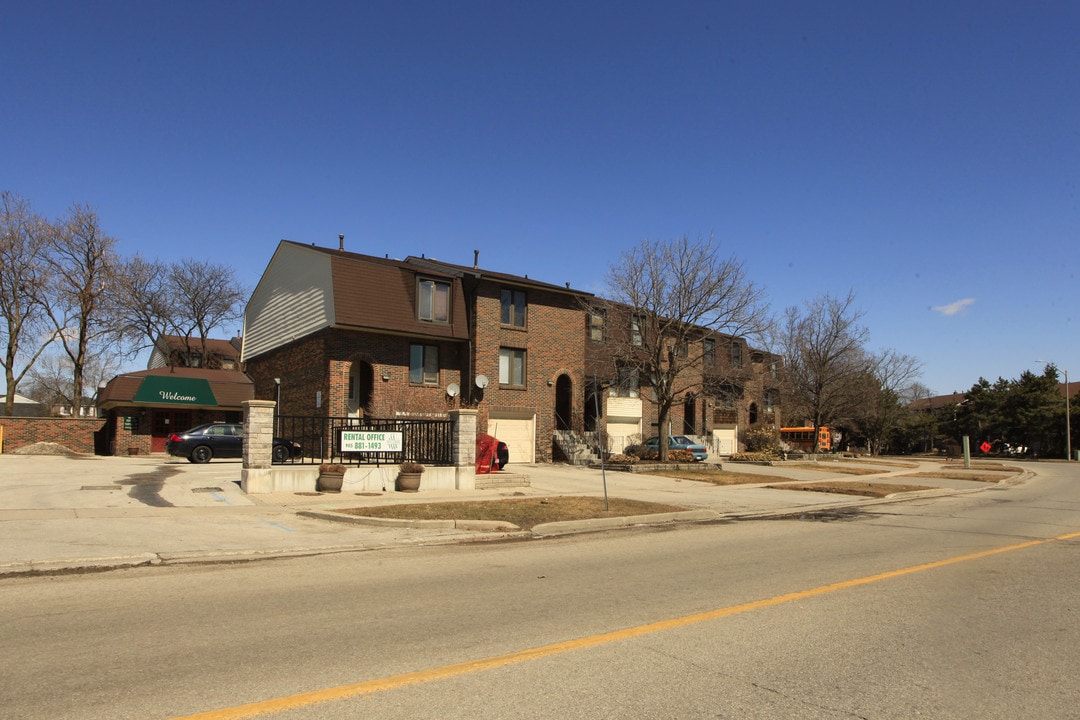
(954, 307)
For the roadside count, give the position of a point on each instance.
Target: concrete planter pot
(331, 478)
(408, 479)
(409, 482)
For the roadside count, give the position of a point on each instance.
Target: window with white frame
(433, 301)
(512, 367)
(424, 364)
(513, 308)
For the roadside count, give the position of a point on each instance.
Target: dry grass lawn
(523, 512)
(853, 487)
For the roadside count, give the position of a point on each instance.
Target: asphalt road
(955, 607)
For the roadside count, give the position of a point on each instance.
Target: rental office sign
(371, 441)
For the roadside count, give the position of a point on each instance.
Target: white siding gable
(294, 298)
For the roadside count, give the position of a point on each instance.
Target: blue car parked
(680, 442)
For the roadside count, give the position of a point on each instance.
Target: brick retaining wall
(77, 434)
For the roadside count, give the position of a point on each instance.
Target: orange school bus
(802, 438)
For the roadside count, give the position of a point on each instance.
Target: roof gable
(306, 288)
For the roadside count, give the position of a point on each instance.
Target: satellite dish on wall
(481, 381)
(453, 390)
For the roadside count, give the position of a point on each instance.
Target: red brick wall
(554, 341)
(322, 362)
(76, 434)
(137, 438)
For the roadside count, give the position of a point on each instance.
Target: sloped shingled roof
(380, 294)
(501, 277)
(230, 387)
(214, 346)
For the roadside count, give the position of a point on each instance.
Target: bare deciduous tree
(49, 381)
(206, 296)
(80, 257)
(188, 299)
(889, 380)
(677, 294)
(143, 302)
(23, 279)
(825, 359)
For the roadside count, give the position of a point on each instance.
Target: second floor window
(708, 352)
(596, 325)
(626, 383)
(512, 367)
(637, 330)
(767, 401)
(423, 364)
(736, 355)
(433, 301)
(513, 308)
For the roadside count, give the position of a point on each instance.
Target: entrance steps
(499, 480)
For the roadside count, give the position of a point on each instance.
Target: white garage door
(725, 439)
(519, 436)
(621, 432)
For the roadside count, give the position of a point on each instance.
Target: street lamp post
(1068, 420)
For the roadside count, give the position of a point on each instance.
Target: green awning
(158, 389)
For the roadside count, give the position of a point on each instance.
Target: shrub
(637, 450)
(334, 468)
(411, 467)
(622, 459)
(763, 456)
(762, 438)
(680, 456)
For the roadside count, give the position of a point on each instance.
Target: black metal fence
(368, 441)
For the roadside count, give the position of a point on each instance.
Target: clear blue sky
(924, 154)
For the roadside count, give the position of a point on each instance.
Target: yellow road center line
(369, 687)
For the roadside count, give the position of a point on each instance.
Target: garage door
(725, 439)
(622, 431)
(519, 436)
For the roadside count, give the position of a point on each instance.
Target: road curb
(476, 525)
(98, 564)
(565, 527)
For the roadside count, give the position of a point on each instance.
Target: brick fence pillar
(464, 447)
(258, 433)
(464, 441)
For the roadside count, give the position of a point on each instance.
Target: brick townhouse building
(726, 385)
(341, 334)
(335, 333)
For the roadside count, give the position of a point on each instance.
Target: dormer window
(433, 301)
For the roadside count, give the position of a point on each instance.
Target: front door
(166, 422)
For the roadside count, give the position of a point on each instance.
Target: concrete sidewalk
(67, 514)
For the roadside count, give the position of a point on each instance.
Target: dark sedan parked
(223, 440)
